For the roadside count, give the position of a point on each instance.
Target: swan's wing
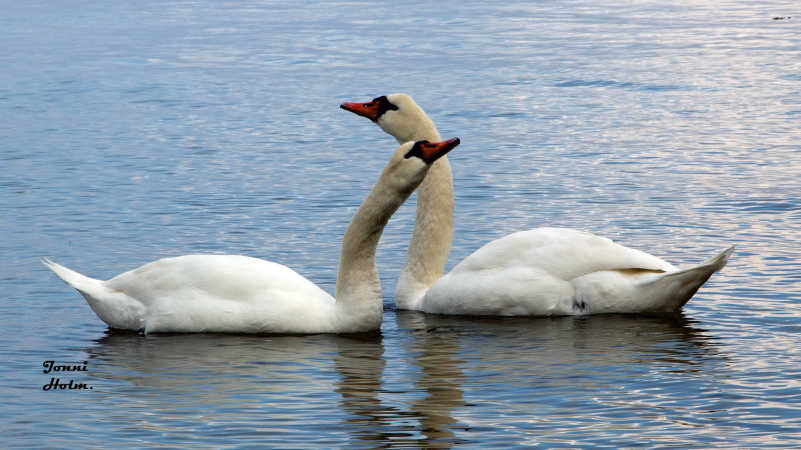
(532, 273)
(563, 253)
(223, 293)
(512, 291)
(233, 277)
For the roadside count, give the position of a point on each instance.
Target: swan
(399, 116)
(540, 272)
(241, 294)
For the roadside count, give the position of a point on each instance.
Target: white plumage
(240, 294)
(544, 271)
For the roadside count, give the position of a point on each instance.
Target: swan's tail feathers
(82, 283)
(719, 260)
(114, 307)
(679, 287)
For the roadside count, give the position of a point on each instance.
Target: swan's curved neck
(358, 289)
(433, 226)
(415, 127)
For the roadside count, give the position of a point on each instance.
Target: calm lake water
(136, 131)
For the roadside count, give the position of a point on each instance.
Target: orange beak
(432, 151)
(371, 110)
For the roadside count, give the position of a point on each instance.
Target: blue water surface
(133, 131)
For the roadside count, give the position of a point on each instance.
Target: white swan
(544, 271)
(240, 294)
(399, 116)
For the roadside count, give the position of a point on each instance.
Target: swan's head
(398, 115)
(410, 162)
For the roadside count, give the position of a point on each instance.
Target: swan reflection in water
(475, 371)
(458, 370)
(272, 389)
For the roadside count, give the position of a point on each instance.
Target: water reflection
(439, 357)
(537, 370)
(360, 363)
(267, 387)
(474, 373)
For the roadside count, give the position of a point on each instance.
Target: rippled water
(135, 132)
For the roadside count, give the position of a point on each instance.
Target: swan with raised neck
(544, 271)
(241, 294)
(399, 116)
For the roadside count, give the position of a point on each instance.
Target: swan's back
(225, 293)
(564, 253)
(532, 273)
(555, 271)
(234, 277)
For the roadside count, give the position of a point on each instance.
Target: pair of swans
(240, 294)
(542, 272)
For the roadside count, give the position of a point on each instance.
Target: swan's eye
(384, 104)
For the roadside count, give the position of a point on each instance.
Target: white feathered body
(211, 293)
(240, 294)
(540, 272)
(558, 271)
